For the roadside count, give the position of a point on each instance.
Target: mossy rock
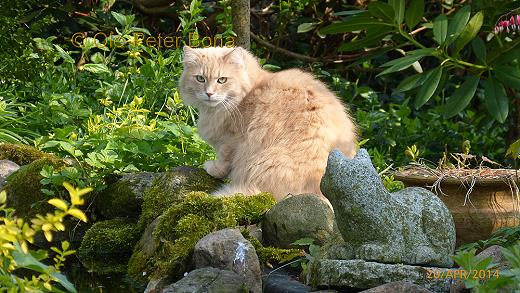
(171, 187)
(24, 188)
(23, 154)
(168, 243)
(108, 245)
(125, 197)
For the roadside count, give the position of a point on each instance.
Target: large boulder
(171, 187)
(107, 245)
(24, 189)
(22, 154)
(297, 217)
(411, 226)
(359, 274)
(125, 197)
(209, 280)
(166, 246)
(227, 249)
(397, 287)
(6, 168)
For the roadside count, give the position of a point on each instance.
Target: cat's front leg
(217, 168)
(220, 167)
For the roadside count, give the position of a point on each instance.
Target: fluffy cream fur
(272, 131)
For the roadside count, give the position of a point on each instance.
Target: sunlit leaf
(469, 32)
(60, 204)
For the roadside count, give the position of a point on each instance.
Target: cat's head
(214, 76)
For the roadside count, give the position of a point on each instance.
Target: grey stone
(279, 281)
(360, 274)
(227, 249)
(411, 226)
(397, 287)
(495, 252)
(297, 217)
(209, 280)
(6, 168)
(125, 197)
(157, 285)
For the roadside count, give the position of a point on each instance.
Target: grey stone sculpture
(411, 226)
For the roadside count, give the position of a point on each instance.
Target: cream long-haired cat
(272, 131)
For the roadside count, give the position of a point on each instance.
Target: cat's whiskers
(236, 113)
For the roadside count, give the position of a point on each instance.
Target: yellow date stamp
(462, 274)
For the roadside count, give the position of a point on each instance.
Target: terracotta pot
(491, 204)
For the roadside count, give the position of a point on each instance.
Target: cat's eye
(222, 80)
(200, 78)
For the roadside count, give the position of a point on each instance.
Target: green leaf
(66, 57)
(461, 97)
(304, 241)
(399, 7)
(409, 83)
(120, 18)
(355, 23)
(440, 29)
(381, 10)
(372, 38)
(469, 32)
(414, 13)
(429, 86)
(514, 150)
(406, 61)
(496, 100)
(479, 48)
(508, 75)
(96, 68)
(458, 23)
(306, 26)
(401, 64)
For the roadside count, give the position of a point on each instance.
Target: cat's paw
(216, 170)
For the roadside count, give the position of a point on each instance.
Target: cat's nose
(209, 94)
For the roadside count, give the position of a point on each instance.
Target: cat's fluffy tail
(231, 189)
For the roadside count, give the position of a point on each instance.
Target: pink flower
(511, 25)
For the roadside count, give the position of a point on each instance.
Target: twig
(344, 58)
(281, 50)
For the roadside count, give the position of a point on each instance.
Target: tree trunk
(241, 13)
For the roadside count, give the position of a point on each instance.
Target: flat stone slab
(362, 274)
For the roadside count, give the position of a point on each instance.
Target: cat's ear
(190, 55)
(236, 56)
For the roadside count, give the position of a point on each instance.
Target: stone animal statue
(411, 226)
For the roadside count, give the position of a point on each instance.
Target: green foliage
(23, 154)
(441, 43)
(25, 269)
(269, 255)
(493, 280)
(505, 237)
(389, 124)
(182, 225)
(107, 245)
(312, 252)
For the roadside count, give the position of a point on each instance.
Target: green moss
(170, 188)
(24, 187)
(272, 254)
(22, 154)
(181, 226)
(108, 245)
(118, 201)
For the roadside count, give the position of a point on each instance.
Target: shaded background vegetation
(118, 110)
